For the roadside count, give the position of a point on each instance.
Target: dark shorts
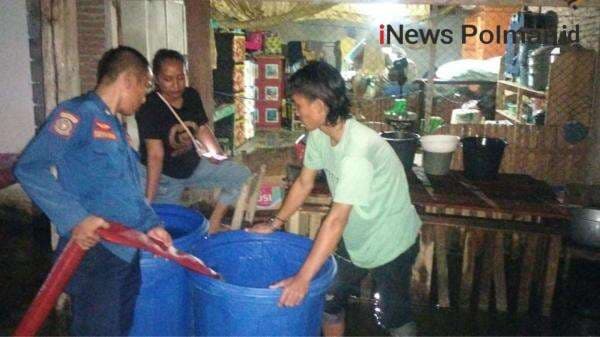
(103, 292)
(391, 291)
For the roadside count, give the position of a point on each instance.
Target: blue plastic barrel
(242, 304)
(163, 307)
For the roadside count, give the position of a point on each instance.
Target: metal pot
(585, 226)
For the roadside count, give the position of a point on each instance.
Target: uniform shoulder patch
(64, 124)
(70, 116)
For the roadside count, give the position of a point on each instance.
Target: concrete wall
(16, 102)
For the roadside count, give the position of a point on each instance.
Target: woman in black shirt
(170, 161)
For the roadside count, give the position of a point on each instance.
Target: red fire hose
(68, 261)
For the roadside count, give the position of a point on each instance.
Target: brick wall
(487, 18)
(92, 39)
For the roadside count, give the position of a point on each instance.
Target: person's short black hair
(165, 54)
(320, 80)
(118, 60)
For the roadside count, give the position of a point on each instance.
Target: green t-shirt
(364, 171)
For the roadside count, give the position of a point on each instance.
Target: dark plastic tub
(163, 307)
(482, 157)
(404, 144)
(242, 304)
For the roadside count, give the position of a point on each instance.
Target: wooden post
(59, 50)
(423, 267)
(60, 57)
(240, 207)
(554, 248)
(442, 266)
(429, 93)
(499, 273)
(593, 161)
(198, 38)
(50, 90)
(293, 224)
(527, 270)
(314, 222)
(468, 267)
(486, 271)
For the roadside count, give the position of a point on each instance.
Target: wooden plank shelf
(508, 115)
(566, 95)
(522, 87)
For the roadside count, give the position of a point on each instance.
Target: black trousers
(392, 300)
(103, 292)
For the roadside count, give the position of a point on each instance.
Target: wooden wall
(539, 151)
(200, 70)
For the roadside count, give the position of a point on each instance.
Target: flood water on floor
(25, 258)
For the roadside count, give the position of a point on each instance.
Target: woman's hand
(261, 228)
(294, 290)
(214, 161)
(218, 228)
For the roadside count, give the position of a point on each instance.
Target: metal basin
(585, 226)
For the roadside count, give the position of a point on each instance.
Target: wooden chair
(307, 220)
(245, 207)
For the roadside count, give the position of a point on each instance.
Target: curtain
(257, 14)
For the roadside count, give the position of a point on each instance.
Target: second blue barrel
(242, 304)
(163, 306)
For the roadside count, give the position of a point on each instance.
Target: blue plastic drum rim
(190, 222)
(318, 286)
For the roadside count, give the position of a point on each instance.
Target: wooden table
(514, 217)
(510, 197)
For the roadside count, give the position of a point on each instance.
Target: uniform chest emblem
(65, 124)
(104, 135)
(103, 130)
(102, 126)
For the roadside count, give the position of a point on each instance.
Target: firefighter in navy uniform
(97, 182)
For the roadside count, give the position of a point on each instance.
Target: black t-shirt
(156, 121)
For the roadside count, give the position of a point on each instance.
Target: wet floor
(25, 259)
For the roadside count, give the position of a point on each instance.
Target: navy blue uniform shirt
(97, 170)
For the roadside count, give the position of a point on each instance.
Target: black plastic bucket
(404, 144)
(482, 157)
